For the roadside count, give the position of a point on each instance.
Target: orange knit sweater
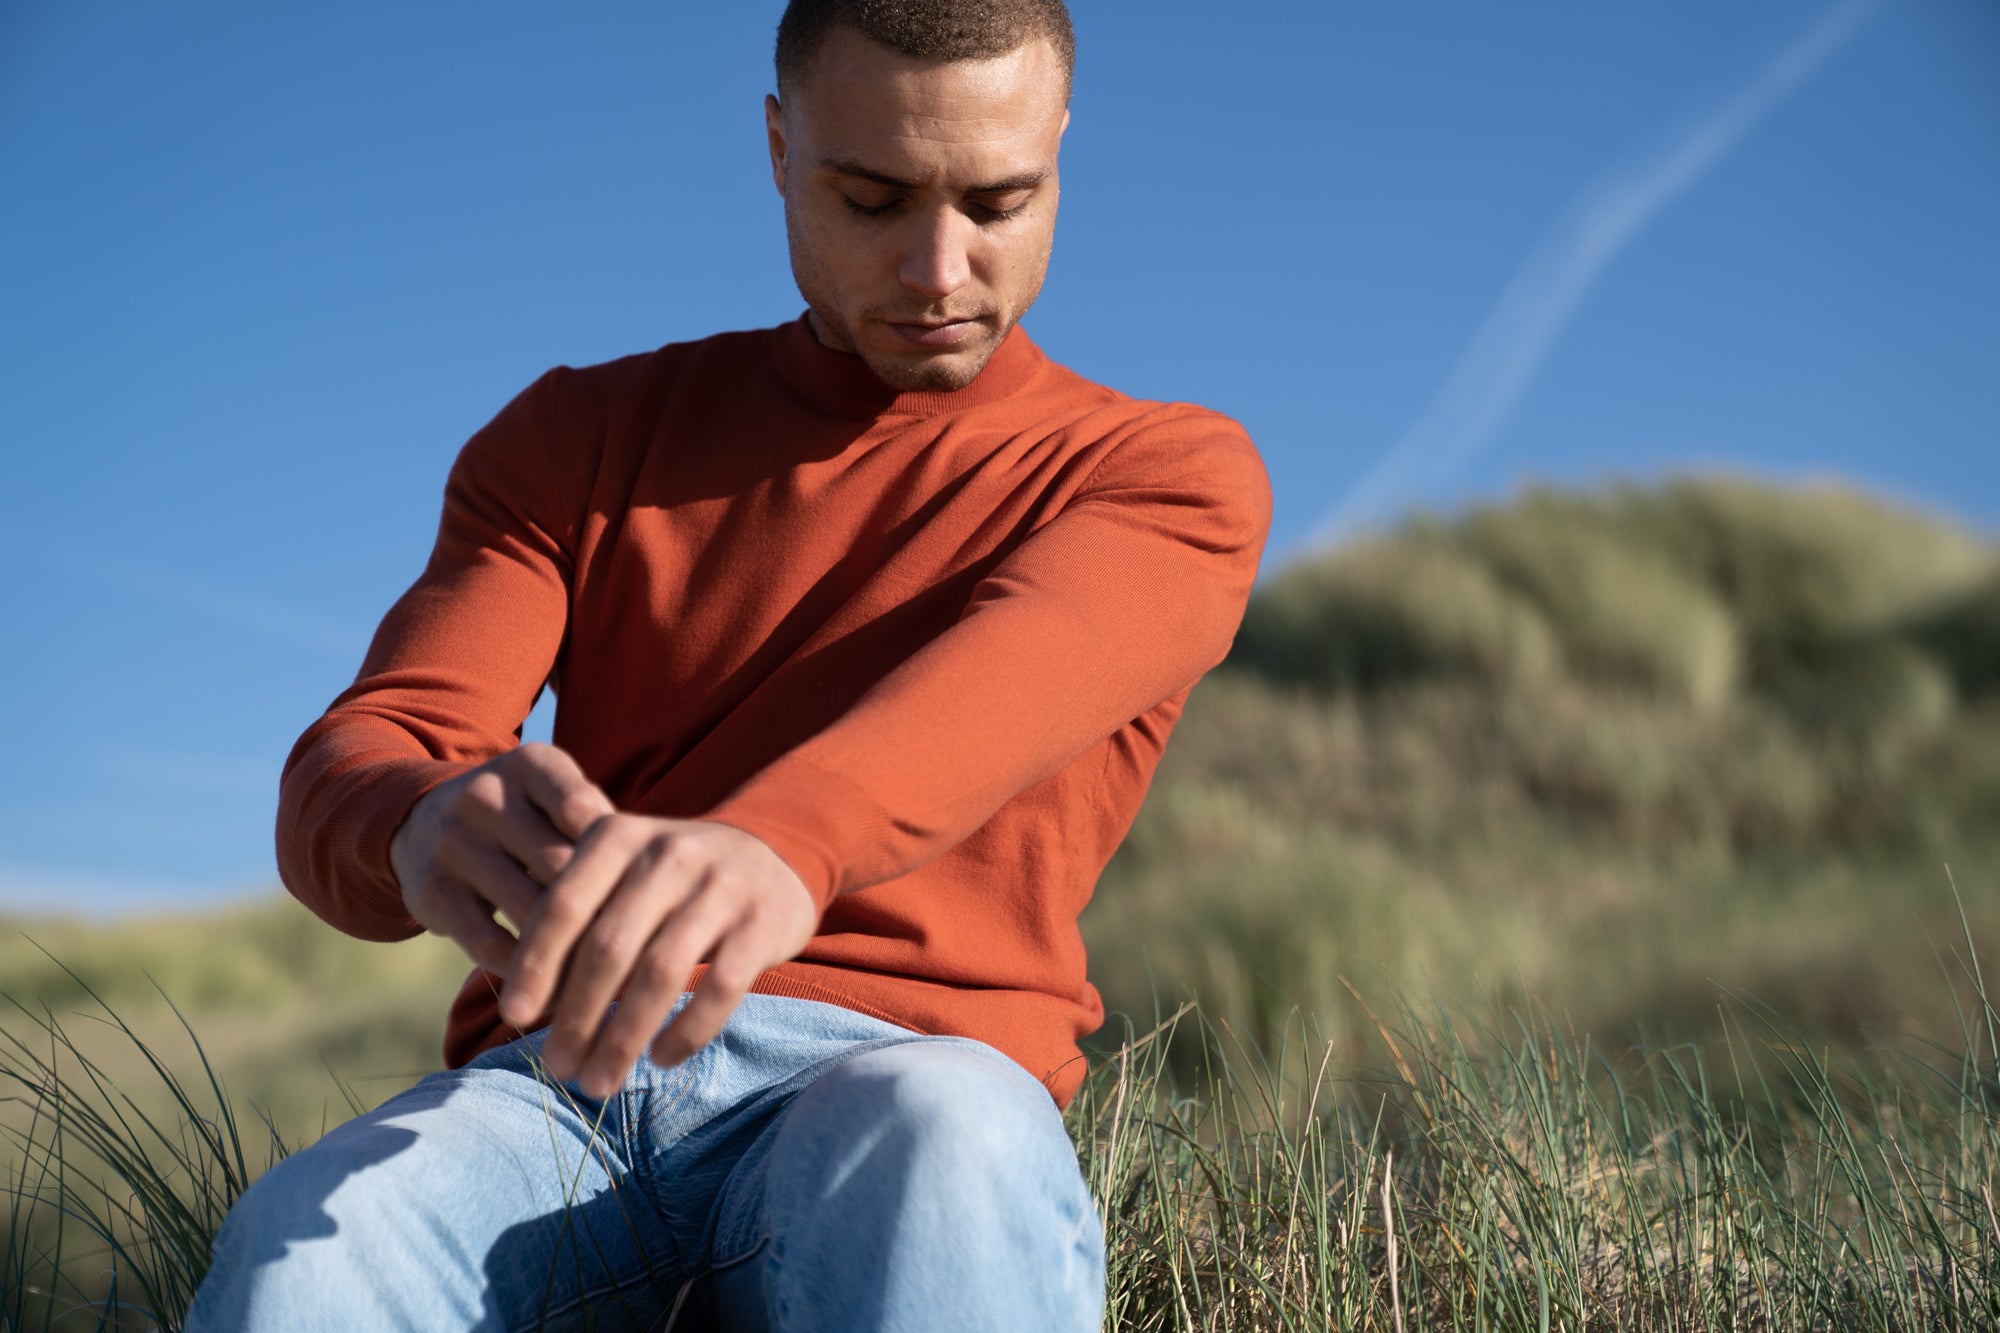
(927, 646)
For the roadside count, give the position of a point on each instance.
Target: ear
(774, 127)
(1065, 125)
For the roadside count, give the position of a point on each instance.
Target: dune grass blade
(149, 1192)
(1527, 1180)
(1501, 1173)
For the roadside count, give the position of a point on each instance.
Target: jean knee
(930, 1184)
(965, 1085)
(290, 1204)
(970, 1116)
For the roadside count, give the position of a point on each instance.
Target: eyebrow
(849, 167)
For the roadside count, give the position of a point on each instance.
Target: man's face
(920, 201)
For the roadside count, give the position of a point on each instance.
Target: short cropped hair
(939, 31)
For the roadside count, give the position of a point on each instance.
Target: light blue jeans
(810, 1168)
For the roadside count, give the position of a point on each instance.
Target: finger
(738, 959)
(601, 966)
(493, 875)
(500, 805)
(524, 832)
(658, 979)
(454, 911)
(559, 918)
(552, 780)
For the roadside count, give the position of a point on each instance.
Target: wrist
(407, 852)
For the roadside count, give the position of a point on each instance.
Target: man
(868, 632)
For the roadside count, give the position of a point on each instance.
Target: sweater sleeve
(447, 681)
(1122, 600)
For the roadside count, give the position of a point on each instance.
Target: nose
(936, 263)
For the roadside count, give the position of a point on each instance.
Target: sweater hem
(777, 983)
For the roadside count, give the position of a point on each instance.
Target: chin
(895, 363)
(930, 372)
(940, 373)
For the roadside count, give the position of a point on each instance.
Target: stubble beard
(939, 372)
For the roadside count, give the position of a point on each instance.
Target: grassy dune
(1563, 890)
(1611, 751)
(278, 999)
(1467, 1174)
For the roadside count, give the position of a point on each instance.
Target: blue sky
(264, 267)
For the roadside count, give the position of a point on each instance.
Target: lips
(933, 332)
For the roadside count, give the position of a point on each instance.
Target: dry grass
(1583, 774)
(1506, 1174)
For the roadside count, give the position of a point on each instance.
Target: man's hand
(641, 902)
(492, 839)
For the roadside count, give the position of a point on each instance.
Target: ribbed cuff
(346, 876)
(814, 820)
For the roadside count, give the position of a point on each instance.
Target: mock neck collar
(840, 384)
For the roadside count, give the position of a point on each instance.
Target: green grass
(1584, 792)
(278, 997)
(1505, 1174)
(1610, 857)
(1516, 1176)
(123, 1140)
(1601, 751)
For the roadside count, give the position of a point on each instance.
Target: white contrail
(1543, 295)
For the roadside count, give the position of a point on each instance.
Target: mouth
(932, 332)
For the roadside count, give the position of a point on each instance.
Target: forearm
(1119, 603)
(348, 785)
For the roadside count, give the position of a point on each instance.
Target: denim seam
(628, 1114)
(742, 1258)
(583, 1298)
(648, 1274)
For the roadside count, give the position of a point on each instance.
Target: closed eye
(988, 213)
(981, 213)
(869, 210)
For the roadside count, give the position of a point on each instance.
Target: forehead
(860, 101)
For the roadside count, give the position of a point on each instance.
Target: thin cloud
(1545, 292)
(200, 774)
(272, 619)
